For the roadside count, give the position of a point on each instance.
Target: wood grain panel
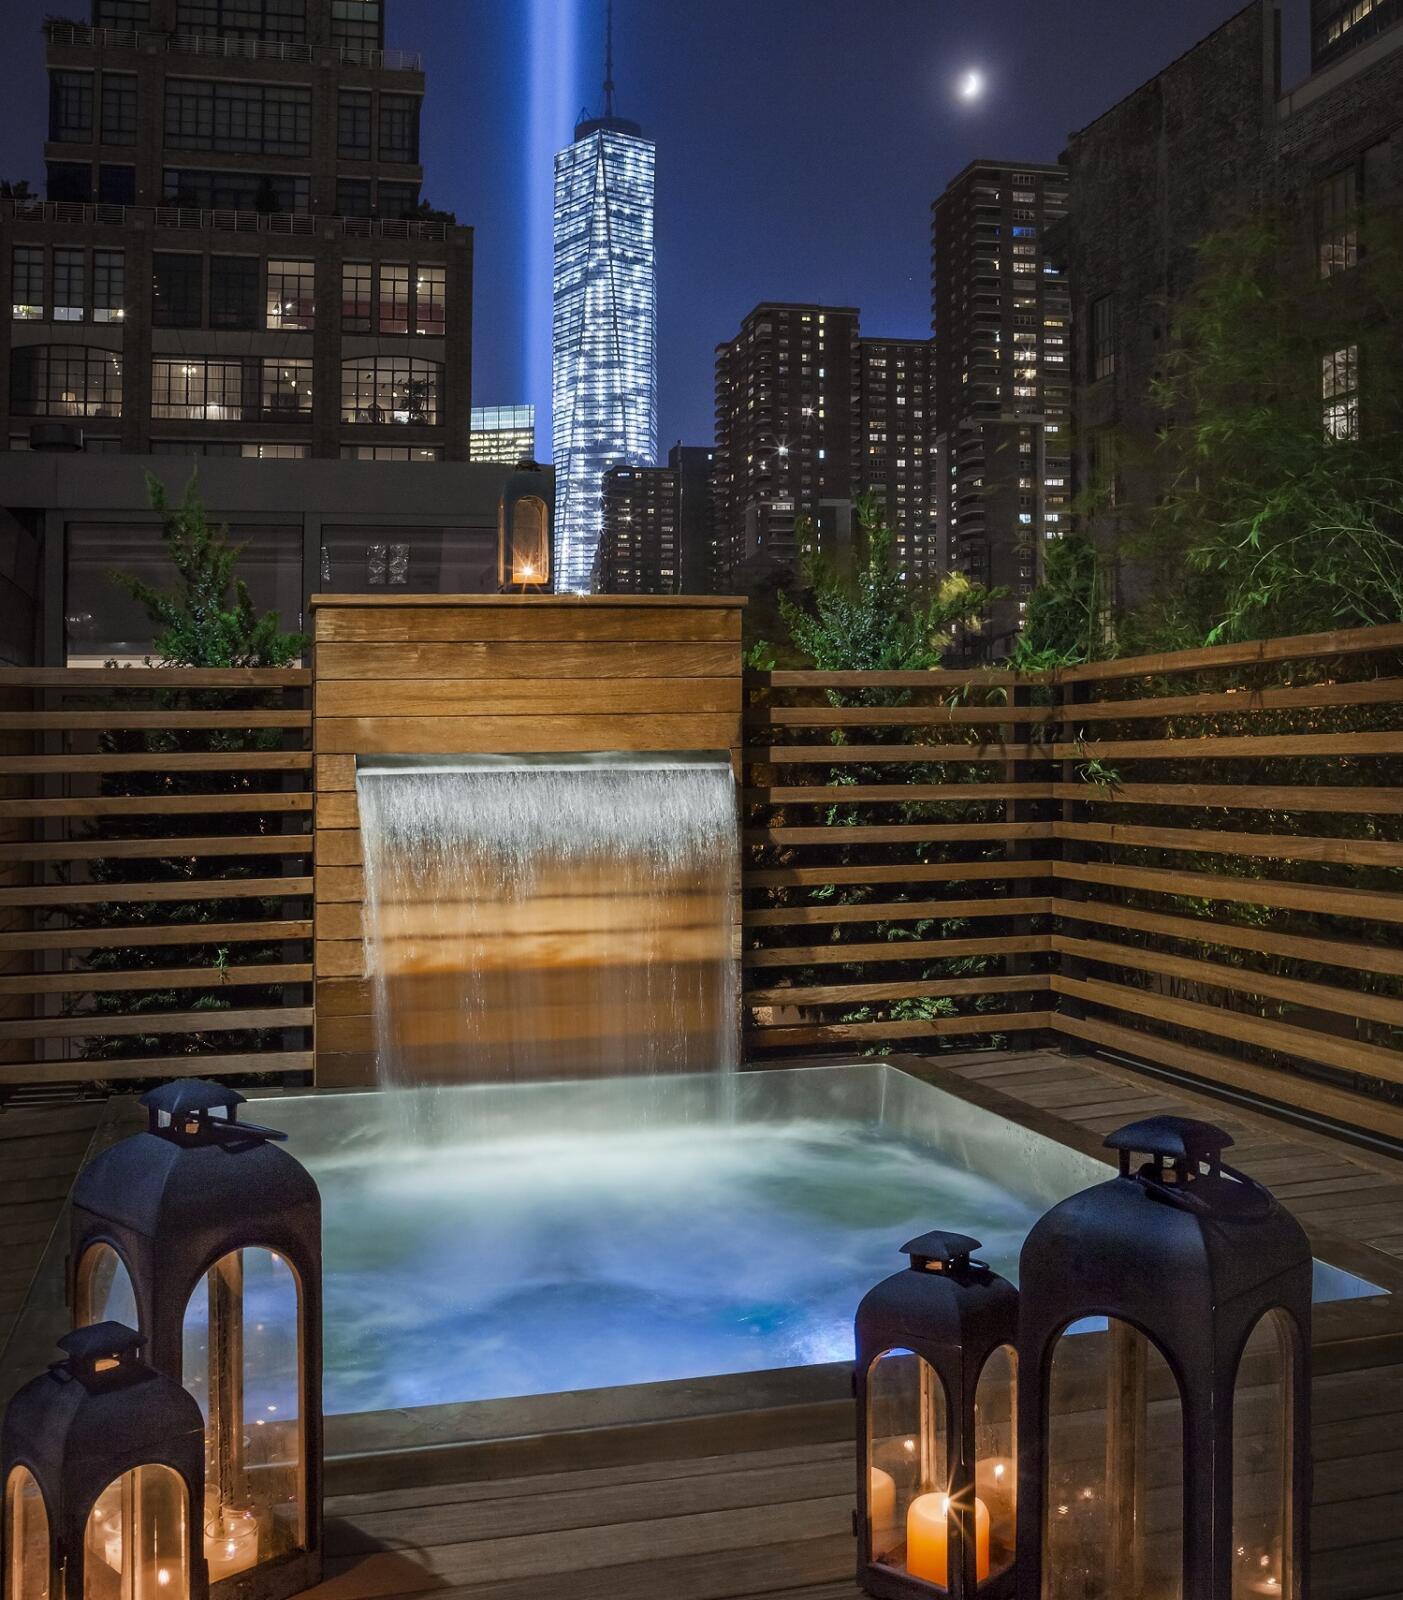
(496, 676)
(529, 697)
(521, 735)
(340, 666)
(584, 623)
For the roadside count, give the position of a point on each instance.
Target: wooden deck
(726, 1513)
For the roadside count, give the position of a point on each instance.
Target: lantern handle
(1178, 1195)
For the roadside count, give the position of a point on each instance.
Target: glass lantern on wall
(525, 528)
(936, 1404)
(212, 1233)
(103, 1466)
(1164, 1413)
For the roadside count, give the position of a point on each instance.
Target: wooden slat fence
(155, 874)
(1194, 860)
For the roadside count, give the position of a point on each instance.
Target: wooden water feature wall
(480, 675)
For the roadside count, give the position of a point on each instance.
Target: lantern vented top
(1180, 1140)
(186, 1110)
(101, 1347)
(938, 1251)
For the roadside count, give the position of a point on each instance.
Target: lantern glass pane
(530, 544)
(136, 1539)
(996, 1462)
(1115, 1468)
(242, 1362)
(104, 1289)
(1262, 1462)
(908, 1465)
(26, 1538)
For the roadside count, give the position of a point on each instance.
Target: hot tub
(485, 1242)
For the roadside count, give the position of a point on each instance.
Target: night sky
(800, 143)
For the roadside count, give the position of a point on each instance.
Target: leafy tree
(1064, 622)
(207, 618)
(1282, 418)
(15, 189)
(862, 616)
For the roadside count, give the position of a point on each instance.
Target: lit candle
(928, 1539)
(881, 1511)
(231, 1542)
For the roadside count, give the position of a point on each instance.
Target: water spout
(550, 916)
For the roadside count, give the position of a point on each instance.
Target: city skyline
(836, 213)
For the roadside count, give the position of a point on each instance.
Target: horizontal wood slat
(104, 939)
(1271, 942)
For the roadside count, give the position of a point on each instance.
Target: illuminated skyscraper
(604, 350)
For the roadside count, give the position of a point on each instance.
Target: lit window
(27, 283)
(390, 389)
(1339, 389)
(291, 298)
(1337, 222)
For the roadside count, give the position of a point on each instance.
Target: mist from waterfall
(533, 917)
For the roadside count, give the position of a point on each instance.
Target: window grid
(119, 108)
(1337, 222)
(70, 285)
(283, 21)
(355, 296)
(286, 393)
(65, 381)
(197, 390)
(390, 389)
(353, 197)
(353, 124)
(27, 283)
(291, 298)
(430, 301)
(122, 13)
(399, 127)
(233, 292)
(71, 107)
(237, 191)
(1339, 390)
(245, 118)
(356, 24)
(397, 199)
(393, 311)
(177, 299)
(109, 286)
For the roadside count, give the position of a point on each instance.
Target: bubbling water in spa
(532, 917)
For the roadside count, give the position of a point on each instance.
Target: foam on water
(530, 1265)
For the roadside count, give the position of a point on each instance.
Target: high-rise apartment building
(659, 526)
(896, 460)
(787, 420)
(639, 551)
(504, 434)
(604, 333)
(230, 258)
(1002, 421)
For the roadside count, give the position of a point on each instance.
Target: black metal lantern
(208, 1235)
(936, 1380)
(525, 529)
(103, 1467)
(1164, 1415)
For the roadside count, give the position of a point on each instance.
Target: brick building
(1002, 401)
(229, 259)
(1208, 143)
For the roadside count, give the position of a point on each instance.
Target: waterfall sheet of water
(537, 917)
